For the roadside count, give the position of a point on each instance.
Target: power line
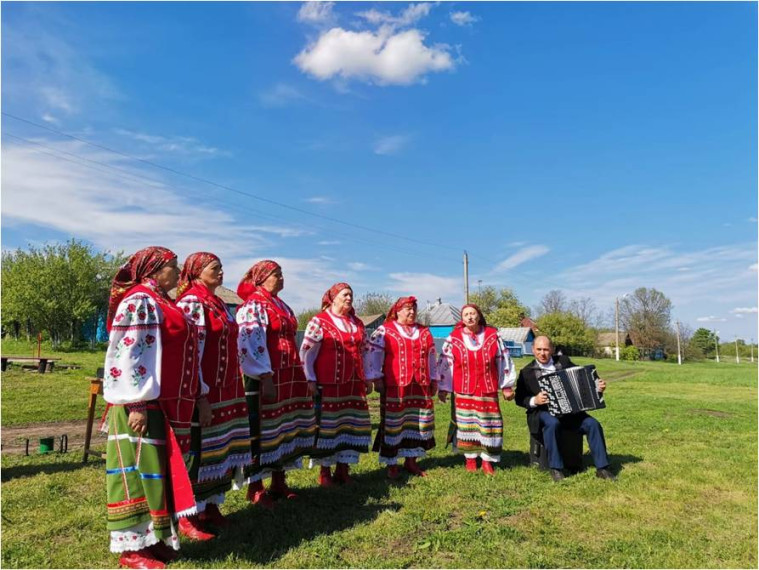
(229, 188)
(78, 161)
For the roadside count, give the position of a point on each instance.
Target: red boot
(189, 527)
(411, 466)
(393, 472)
(140, 559)
(487, 468)
(471, 464)
(163, 552)
(258, 495)
(325, 477)
(279, 488)
(341, 474)
(213, 515)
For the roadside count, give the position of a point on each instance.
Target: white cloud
(744, 310)
(426, 286)
(463, 18)
(360, 266)
(752, 219)
(319, 200)
(172, 145)
(316, 12)
(48, 118)
(281, 95)
(328, 242)
(522, 256)
(412, 14)
(384, 57)
(711, 319)
(390, 145)
(753, 267)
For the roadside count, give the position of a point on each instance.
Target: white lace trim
(408, 434)
(402, 454)
(340, 457)
(217, 499)
(331, 443)
(304, 443)
(484, 455)
(483, 441)
(211, 472)
(138, 537)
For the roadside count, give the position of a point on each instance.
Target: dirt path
(14, 438)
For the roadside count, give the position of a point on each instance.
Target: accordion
(572, 390)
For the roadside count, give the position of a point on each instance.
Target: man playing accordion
(530, 396)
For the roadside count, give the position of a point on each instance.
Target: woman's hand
(138, 421)
(312, 389)
(268, 389)
(379, 384)
(205, 415)
(508, 394)
(442, 396)
(433, 388)
(368, 384)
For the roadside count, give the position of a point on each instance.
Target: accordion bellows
(572, 390)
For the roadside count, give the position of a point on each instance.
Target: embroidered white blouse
(312, 339)
(374, 357)
(507, 374)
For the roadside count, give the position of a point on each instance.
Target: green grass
(682, 438)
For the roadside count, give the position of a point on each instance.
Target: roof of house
(529, 323)
(514, 334)
(610, 338)
(371, 320)
(439, 314)
(227, 295)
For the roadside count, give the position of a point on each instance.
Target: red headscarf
(392, 314)
(461, 325)
(192, 268)
(140, 266)
(256, 275)
(332, 292)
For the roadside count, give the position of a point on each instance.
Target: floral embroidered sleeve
(251, 340)
(195, 313)
(374, 355)
(432, 363)
(309, 348)
(506, 373)
(133, 358)
(445, 367)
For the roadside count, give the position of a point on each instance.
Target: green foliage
(645, 314)
(56, 288)
(501, 308)
(305, 316)
(373, 303)
(703, 340)
(568, 331)
(631, 353)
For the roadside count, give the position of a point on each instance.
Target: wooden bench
(43, 363)
(96, 388)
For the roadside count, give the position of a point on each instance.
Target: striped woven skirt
(345, 429)
(407, 423)
(221, 448)
(281, 432)
(476, 425)
(136, 487)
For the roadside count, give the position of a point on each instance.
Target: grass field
(683, 440)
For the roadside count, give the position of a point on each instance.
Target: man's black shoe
(605, 474)
(557, 475)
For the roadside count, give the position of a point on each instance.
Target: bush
(630, 353)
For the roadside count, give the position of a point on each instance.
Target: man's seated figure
(530, 396)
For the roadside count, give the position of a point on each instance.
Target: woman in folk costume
(401, 360)
(474, 366)
(282, 424)
(151, 384)
(332, 355)
(220, 433)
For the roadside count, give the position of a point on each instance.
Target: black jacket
(527, 387)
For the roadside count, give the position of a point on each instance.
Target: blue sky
(588, 147)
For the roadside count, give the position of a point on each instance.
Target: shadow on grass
(75, 463)
(509, 459)
(261, 537)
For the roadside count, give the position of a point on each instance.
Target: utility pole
(716, 344)
(679, 358)
(737, 358)
(616, 323)
(752, 350)
(466, 278)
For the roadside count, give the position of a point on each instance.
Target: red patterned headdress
(255, 276)
(332, 292)
(460, 324)
(392, 314)
(192, 268)
(141, 265)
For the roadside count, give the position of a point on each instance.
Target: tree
(553, 302)
(501, 308)
(703, 341)
(57, 288)
(585, 309)
(569, 332)
(645, 314)
(305, 316)
(373, 303)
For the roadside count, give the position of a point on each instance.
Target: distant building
(606, 342)
(518, 340)
(372, 322)
(231, 299)
(440, 318)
